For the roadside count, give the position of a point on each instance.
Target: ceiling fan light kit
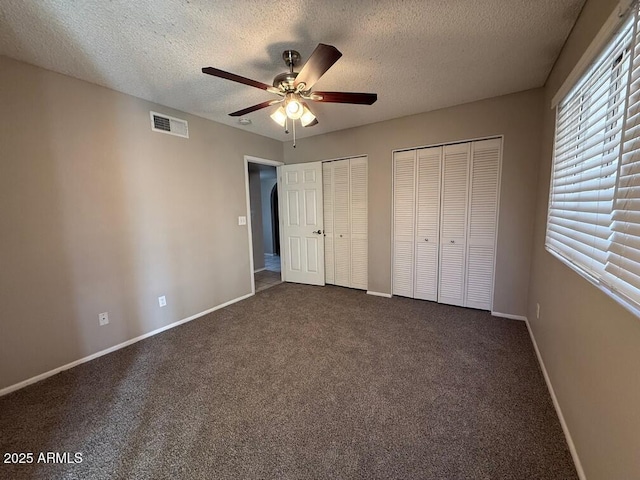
(307, 117)
(295, 87)
(280, 116)
(293, 106)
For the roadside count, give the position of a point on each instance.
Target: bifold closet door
(453, 224)
(358, 222)
(327, 189)
(445, 215)
(427, 203)
(341, 230)
(404, 179)
(346, 222)
(483, 218)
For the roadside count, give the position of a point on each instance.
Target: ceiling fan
(294, 88)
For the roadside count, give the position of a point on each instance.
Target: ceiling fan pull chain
(294, 133)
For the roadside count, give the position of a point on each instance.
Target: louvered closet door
(453, 221)
(359, 222)
(327, 191)
(404, 164)
(483, 217)
(341, 237)
(427, 223)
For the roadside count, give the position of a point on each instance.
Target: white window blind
(623, 259)
(594, 204)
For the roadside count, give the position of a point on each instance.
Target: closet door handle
(426, 239)
(453, 241)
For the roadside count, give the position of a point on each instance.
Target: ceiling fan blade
(344, 97)
(321, 60)
(314, 122)
(237, 78)
(259, 106)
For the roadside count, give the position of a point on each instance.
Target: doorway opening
(275, 220)
(264, 223)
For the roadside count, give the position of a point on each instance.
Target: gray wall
(518, 117)
(266, 186)
(590, 344)
(98, 213)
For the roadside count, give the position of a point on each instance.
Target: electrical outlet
(103, 318)
(537, 310)
(162, 301)
(242, 220)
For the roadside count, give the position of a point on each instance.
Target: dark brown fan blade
(321, 60)
(259, 106)
(315, 122)
(344, 97)
(237, 78)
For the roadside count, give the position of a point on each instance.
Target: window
(594, 203)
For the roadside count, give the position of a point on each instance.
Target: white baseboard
(510, 316)
(565, 428)
(260, 270)
(42, 376)
(379, 294)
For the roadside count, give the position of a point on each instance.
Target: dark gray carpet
(301, 382)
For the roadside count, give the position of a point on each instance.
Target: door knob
(317, 232)
(426, 239)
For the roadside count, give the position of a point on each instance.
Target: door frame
(271, 163)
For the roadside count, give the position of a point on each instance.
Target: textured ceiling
(417, 55)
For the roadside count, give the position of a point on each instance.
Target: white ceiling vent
(166, 124)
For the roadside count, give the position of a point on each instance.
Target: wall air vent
(166, 124)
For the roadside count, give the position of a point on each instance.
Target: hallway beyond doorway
(270, 276)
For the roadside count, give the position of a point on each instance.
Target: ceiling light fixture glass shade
(293, 109)
(307, 117)
(279, 116)
(293, 106)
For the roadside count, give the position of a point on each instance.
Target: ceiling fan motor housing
(285, 80)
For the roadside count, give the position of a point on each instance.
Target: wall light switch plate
(242, 220)
(162, 301)
(103, 318)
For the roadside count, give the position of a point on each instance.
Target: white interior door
(453, 232)
(404, 178)
(327, 194)
(359, 222)
(483, 218)
(302, 223)
(341, 223)
(427, 223)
